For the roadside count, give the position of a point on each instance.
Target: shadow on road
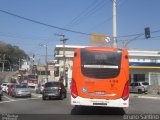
(85, 110)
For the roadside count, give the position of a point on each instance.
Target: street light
(129, 41)
(46, 68)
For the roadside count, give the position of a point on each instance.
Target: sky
(84, 16)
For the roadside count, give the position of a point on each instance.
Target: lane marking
(14, 100)
(18, 100)
(37, 95)
(10, 99)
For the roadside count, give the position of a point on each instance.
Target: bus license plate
(100, 93)
(99, 103)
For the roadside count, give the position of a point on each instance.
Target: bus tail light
(74, 92)
(125, 94)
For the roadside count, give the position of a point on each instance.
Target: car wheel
(139, 91)
(44, 98)
(62, 96)
(65, 95)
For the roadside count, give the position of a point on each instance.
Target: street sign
(99, 38)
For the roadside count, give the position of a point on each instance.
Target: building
(59, 62)
(144, 64)
(41, 72)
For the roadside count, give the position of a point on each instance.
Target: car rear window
(51, 84)
(4, 84)
(145, 83)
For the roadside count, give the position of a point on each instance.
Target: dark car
(54, 90)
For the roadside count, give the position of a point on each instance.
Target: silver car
(140, 87)
(1, 92)
(21, 91)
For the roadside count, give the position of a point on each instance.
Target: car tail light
(74, 92)
(125, 94)
(143, 88)
(59, 86)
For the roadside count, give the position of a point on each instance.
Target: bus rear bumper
(100, 102)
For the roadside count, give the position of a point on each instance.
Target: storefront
(145, 66)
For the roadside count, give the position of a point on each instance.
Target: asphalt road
(36, 107)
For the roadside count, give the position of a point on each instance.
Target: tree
(10, 55)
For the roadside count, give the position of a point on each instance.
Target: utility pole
(64, 57)
(46, 63)
(4, 57)
(46, 67)
(114, 23)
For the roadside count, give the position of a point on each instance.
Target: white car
(4, 85)
(140, 87)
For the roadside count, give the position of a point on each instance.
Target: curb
(149, 97)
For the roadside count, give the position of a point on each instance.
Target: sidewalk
(146, 96)
(149, 96)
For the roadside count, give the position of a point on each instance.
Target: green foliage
(11, 53)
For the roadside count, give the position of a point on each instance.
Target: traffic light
(34, 69)
(56, 71)
(147, 32)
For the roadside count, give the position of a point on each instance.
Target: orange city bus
(100, 77)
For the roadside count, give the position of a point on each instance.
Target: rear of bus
(100, 77)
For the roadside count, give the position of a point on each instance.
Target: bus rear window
(100, 65)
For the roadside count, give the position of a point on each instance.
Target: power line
(139, 39)
(131, 35)
(137, 34)
(41, 23)
(109, 18)
(88, 12)
(13, 35)
(82, 12)
(44, 24)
